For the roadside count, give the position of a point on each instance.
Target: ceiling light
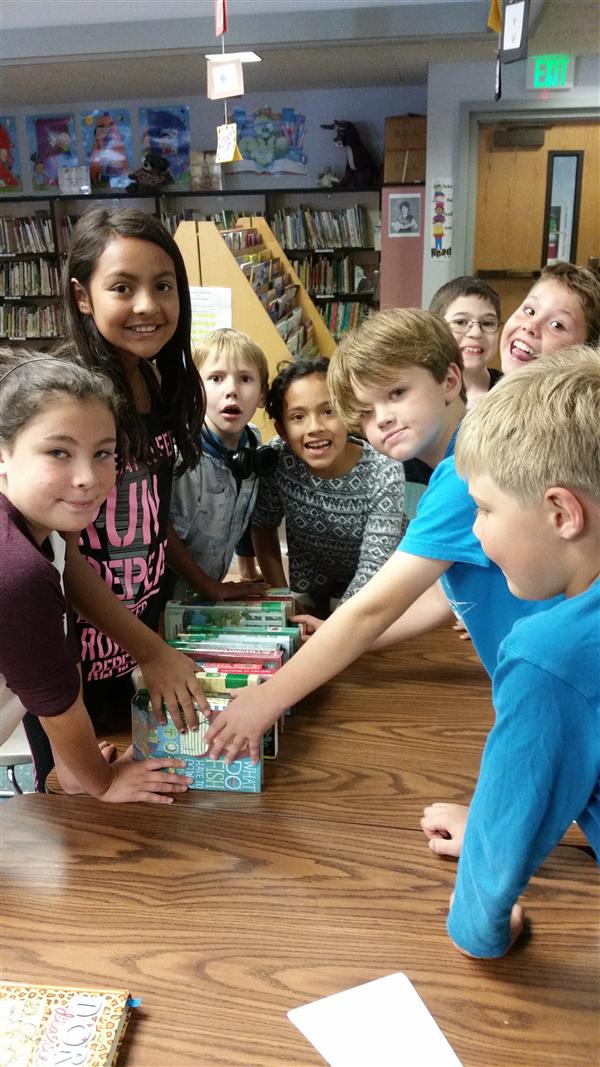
(244, 57)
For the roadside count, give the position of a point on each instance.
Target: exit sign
(550, 72)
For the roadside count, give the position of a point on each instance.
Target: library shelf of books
(268, 300)
(334, 249)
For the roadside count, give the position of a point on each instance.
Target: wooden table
(224, 912)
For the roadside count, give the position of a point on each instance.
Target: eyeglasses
(463, 325)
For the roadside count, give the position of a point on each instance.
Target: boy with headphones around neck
(212, 504)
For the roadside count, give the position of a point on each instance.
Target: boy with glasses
(472, 310)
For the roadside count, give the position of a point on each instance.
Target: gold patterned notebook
(46, 1026)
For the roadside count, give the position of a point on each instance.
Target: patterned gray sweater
(340, 531)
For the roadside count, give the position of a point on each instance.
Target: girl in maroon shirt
(58, 439)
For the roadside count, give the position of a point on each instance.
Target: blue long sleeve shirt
(540, 768)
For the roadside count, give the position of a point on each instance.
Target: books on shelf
(26, 234)
(331, 276)
(67, 225)
(30, 277)
(307, 227)
(341, 316)
(19, 322)
(50, 1026)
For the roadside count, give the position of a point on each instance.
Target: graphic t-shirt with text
(126, 545)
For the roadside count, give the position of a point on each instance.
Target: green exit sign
(550, 72)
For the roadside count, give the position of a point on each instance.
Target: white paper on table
(380, 1024)
(211, 310)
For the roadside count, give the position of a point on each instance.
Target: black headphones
(245, 461)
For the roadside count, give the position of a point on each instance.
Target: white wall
(366, 107)
(454, 93)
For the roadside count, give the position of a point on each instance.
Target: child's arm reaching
(265, 540)
(429, 612)
(346, 635)
(539, 771)
(180, 560)
(75, 748)
(444, 827)
(168, 674)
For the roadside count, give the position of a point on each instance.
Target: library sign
(550, 72)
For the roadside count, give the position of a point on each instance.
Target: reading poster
(52, 144)
(165, 143)
(271, 142)
(107, 145)
(10, 167)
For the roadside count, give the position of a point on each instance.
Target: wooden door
(511, 196)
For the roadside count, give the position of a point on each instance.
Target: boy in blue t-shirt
(385, 379)
(531, 453)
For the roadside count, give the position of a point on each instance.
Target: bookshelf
(210, 262)
(29, 273)
(332, 239)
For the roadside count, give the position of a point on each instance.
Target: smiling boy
(211, 505)
(471, 308)
(531, 453)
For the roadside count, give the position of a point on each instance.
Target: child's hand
(444, 826)
(311, 623)
(461, 629)
(239, 726)
(169, 676)
(517, 925)
(144, 780)
(69, 782)
(241, 590)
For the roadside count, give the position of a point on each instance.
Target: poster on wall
(52, 144)
(270, 141)
(405, 216)
(106, 137)
(165, 143)
(10, 167)
(442, 199)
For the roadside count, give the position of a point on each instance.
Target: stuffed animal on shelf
(361, 168)
(153, 174)
(328, 179)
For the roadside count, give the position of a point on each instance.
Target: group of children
(144, 458)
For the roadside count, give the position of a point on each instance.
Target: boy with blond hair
(211, 505)
(391, 388)
(531, 454)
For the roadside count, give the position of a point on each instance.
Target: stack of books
(233, 645)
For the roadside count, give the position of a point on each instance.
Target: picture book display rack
(210, 261)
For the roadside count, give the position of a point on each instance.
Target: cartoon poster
(10, 167)
(52, 144)
(107, 145)
(270, 141)
(165, 143)
(442, 218)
